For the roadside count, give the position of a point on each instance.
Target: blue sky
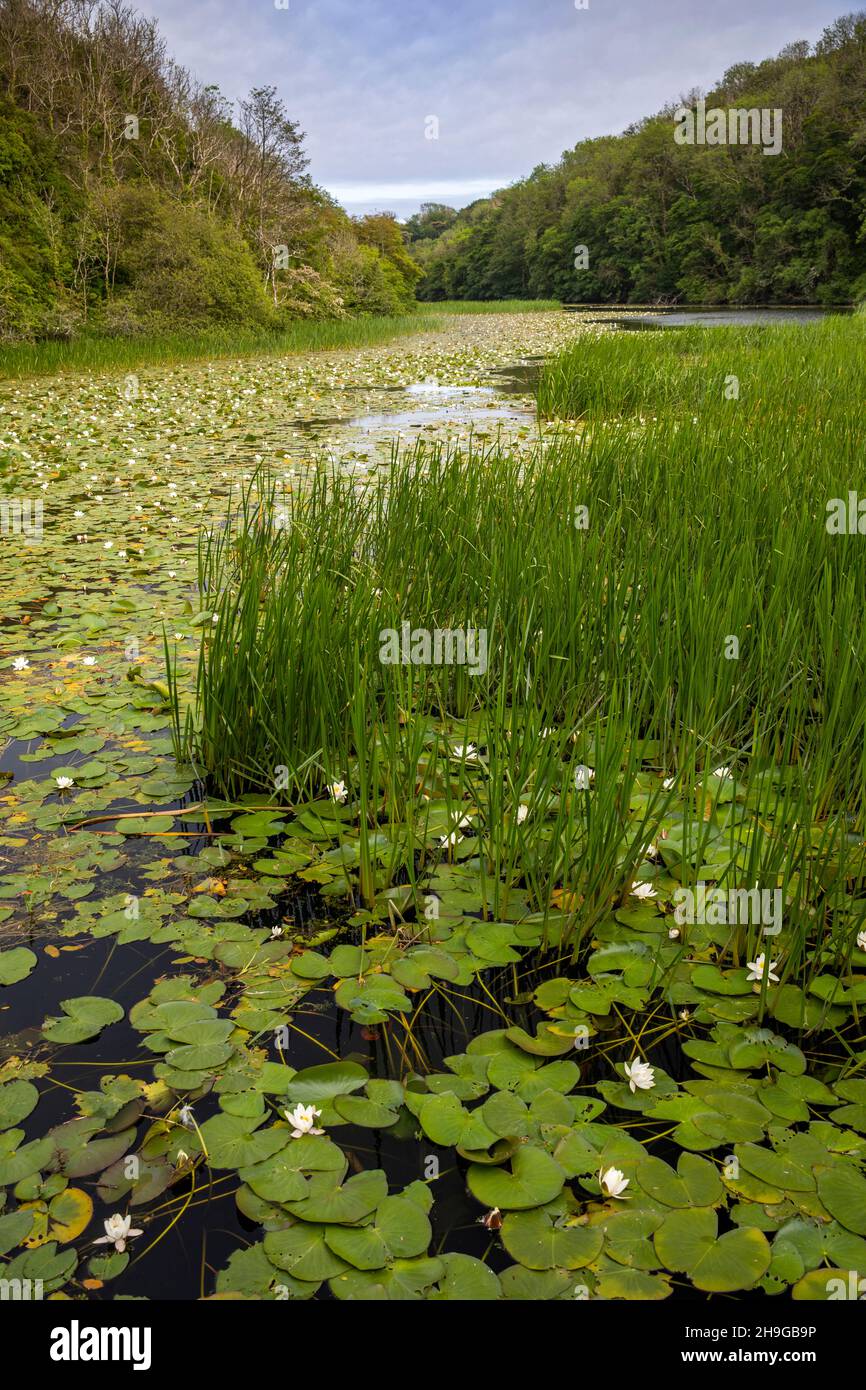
(512, 83)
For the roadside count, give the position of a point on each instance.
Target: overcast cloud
(512, 83)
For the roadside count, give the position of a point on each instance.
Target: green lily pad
(688, 1242)
(235, 1141)
(400, 1282)
(14, 1227)
(535, 1178)
(17, 1099)
(535, 1240)
(466, 1280)
(358, 1110)
(349, 1202)
(280, 1178)
(203, 1057)
(633, 1284)
(777, 1169)
(301, 1251)
(399, 1230)
(843, 1192)
(695, 1184)
(16, 965)
(316, 1085)
(86, 1016)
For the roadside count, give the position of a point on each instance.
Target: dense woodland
(135, 200)
(187, 216)
(664, 222)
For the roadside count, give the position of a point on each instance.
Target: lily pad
(688, 1242)
(535, 1179)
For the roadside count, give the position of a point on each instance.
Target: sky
(411, 101)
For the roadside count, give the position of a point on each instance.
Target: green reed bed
(696, 616)
(101, 354)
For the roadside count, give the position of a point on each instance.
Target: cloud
(512, 82)
(446, 190)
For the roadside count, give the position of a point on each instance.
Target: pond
(181, 973)
(716, 318)
(129, 469)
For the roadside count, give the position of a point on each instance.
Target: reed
(92, 353)
(698, 613)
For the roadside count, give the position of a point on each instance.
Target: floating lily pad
(535, 1178)
(86, 1016)
(538, 1241)
(399, 1230)
(843, 1192)
(18, 1099)
(16, 965)
(688, 1241)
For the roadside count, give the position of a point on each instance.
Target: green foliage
(175, 265)
(36, 207)
(664, 222)
(184, 223)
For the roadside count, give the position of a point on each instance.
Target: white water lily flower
(582, 777)
(118, 1230)
(303, 1118)
(641, 1076)
(613, 1182)
(674, 933)
(337, 791)
(758, 969)
(64, 783)
(724, 772)
(448, 841)
(88, 661)
(276, 931)
(185, 1116)
(861, 940)
(669, 783)
(643, 890)
(522, 813)
(20, 663)
(461, 750)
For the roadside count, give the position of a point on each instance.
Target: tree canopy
(132, 201)
(664, 222)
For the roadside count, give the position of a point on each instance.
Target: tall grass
(703, 616)
(732, 375)
(93, 353)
